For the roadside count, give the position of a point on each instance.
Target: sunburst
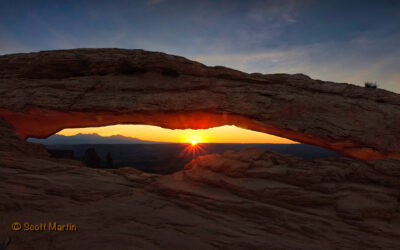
(194, 146)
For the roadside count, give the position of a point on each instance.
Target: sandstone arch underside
(42, 93)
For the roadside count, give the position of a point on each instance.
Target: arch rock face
(44, 92)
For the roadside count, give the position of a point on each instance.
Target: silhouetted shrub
(91, 159)
(109, 163)
(371, 85)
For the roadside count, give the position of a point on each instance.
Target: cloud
(338, 62)
(242, 60)
(279, 12)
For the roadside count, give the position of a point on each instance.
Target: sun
(194, 146)
(194, 140)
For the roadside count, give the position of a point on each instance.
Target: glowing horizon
(223, 134)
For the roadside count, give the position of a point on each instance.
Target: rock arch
(44, 92)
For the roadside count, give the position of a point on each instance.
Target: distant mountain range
(89, 139)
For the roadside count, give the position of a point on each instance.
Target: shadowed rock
(250, 199)
(45, 92)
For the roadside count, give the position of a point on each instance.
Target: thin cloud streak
(321, 61)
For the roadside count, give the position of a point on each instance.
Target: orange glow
(194, 139)
(223, 134)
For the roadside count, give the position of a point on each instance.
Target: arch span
(45, 92)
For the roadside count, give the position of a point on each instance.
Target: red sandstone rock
(45, 92)
(251, 199)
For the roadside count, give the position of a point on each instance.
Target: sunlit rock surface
(42, 93)
(251, 199)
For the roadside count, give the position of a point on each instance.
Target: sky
(223, 134)
(341, 41)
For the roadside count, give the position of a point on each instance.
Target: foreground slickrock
(251, 199)
(42, 93)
